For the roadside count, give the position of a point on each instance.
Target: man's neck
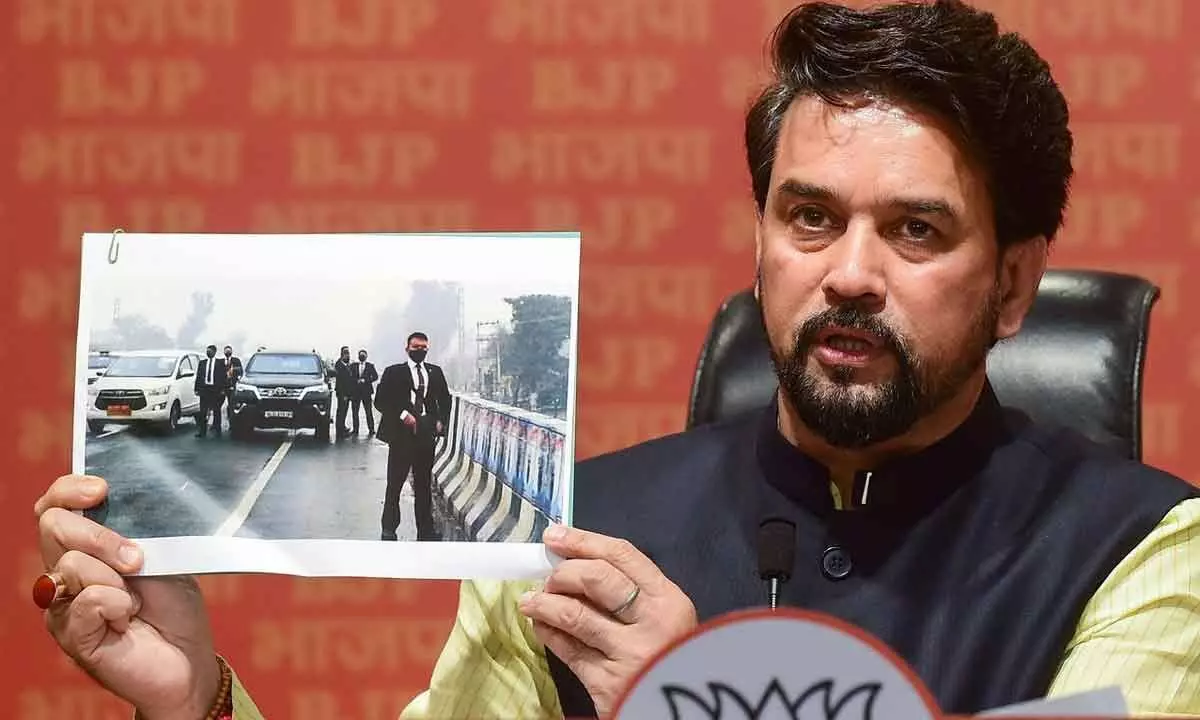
(843, 463)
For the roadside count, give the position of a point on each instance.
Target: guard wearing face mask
(364, 387)
(233, 371)
(210, 384)
(413, 399)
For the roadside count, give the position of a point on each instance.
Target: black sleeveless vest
(973, 559)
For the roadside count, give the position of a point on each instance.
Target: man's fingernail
(129, 554)
(92, 486)
(527, 596)
(554, 532)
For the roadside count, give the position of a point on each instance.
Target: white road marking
(234, 522)
(110, 432)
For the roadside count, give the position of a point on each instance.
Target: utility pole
(486, 330)
(461, 364)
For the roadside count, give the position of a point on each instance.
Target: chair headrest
(1078, 361)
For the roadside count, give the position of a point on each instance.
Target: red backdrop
(621, 118)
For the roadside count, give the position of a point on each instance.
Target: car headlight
(243, 387)
(314, 389)
(163, 390)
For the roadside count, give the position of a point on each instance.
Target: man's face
(877, 271)
(362, 357)
(228, 352)
(418, 344)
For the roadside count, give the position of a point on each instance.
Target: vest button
(835, 563)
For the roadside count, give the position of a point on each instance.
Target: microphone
(776, 554)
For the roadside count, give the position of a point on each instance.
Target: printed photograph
(307, 404)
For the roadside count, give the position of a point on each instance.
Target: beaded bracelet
(222, 708)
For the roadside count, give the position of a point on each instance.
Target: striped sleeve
(1141, 630)
(491, 665)
(243, 707)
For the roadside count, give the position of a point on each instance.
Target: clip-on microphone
(776, 554)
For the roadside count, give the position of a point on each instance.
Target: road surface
(278, 485)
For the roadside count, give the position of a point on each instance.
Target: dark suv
(282, 390)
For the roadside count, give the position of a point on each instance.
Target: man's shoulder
(1100, 471)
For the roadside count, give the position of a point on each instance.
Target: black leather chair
(1078, 360)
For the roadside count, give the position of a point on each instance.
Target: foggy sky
(317, 292)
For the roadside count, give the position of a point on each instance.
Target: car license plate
(121, 410)
(278, 413)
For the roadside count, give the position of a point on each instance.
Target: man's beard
(849, 415)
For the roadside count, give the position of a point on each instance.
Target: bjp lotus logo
(819, 701)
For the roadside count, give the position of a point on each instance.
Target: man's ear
(758, 248)
(1022, 266)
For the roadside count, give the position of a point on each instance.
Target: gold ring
(633, 595)
(48, 589)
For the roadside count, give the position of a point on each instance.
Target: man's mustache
(850, 317)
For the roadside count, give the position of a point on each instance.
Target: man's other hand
(605, 611)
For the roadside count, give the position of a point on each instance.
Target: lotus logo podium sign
(789, 664)
(778, 665)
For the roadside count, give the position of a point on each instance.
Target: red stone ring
(48, 588)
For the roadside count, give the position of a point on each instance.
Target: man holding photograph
(413, 399)
(910, 166)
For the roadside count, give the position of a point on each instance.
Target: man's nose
(855, 270)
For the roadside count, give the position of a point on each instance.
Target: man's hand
(410, 420)
(439, 427)
(144, 639)
(584, 614)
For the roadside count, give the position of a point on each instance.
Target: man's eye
(919, 229)
(811, 216)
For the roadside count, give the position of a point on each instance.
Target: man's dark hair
(416, 336)
(942, 58)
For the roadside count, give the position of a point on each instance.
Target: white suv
(145, 386)
(98, 362)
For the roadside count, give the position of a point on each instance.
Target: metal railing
(522, 449)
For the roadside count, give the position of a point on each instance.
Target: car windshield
(99, 362)
(149, 366)
(283, 364)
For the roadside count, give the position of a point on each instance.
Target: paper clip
(114, 246)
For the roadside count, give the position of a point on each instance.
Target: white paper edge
(347, 558)
(1107, 702)
(432, 560)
